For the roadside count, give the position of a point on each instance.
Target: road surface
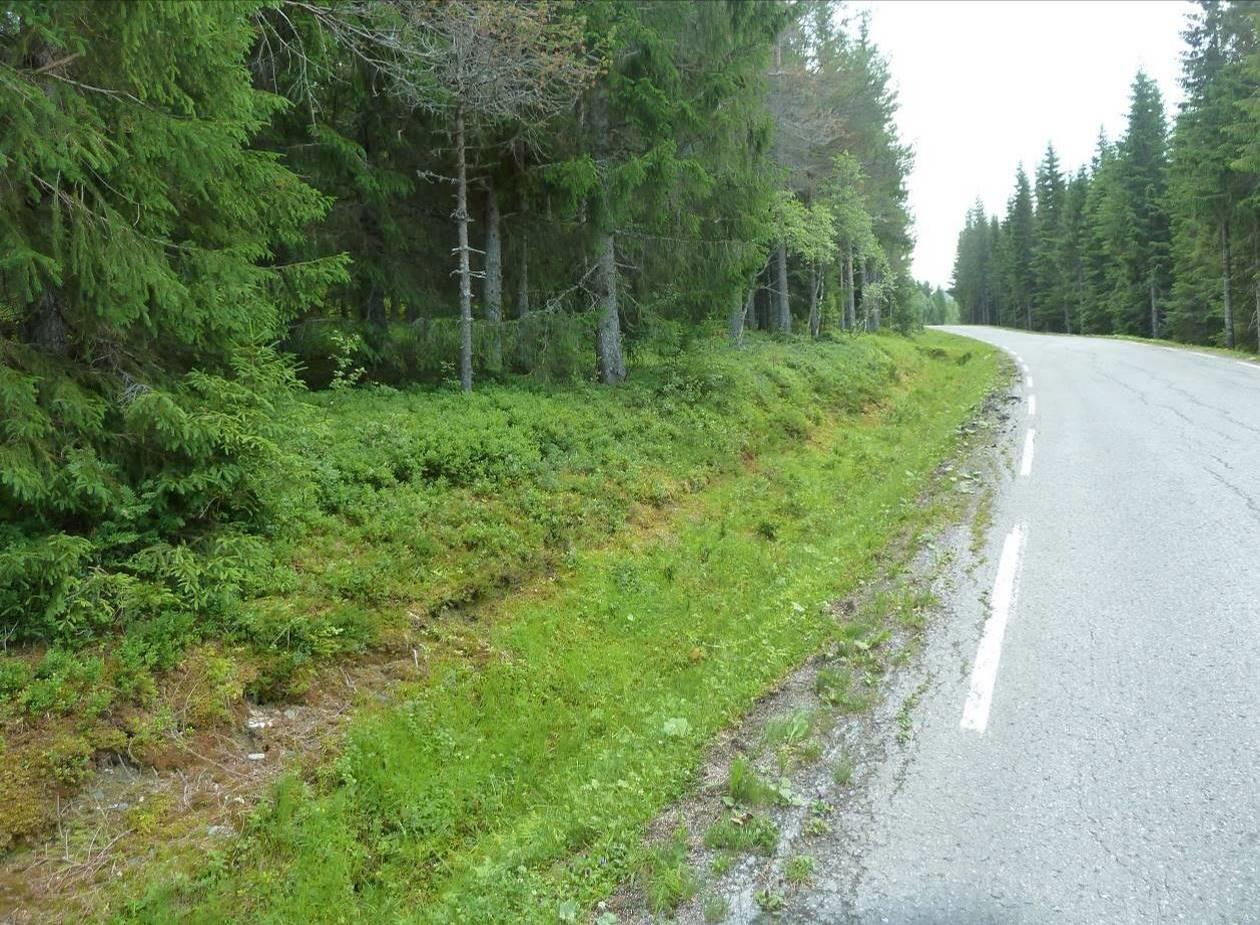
(1089, 747)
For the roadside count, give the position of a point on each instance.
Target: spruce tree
(1018, 232)
(140, 299)
(1050, 295)
(1133, 220)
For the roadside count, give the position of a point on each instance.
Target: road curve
(1089, 749)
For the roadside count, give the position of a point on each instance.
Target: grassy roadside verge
(1234, 354)
(396, 508)
(513, 784)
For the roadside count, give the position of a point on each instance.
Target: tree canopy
(207, 206)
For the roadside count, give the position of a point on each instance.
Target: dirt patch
(179, 795)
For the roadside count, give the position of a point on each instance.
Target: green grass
(668, 880)
(403, 509)
(799, 869)
(837, 687)
(770, 901)
(745, 787)
(842, 771)
(743, 832)
(816, 823)
(716, 909)
(1245, 352)
(517, 785)
(790, 729)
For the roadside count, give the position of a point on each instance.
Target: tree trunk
(608, 355)
(1257, 318)
(866, 302)
(738, 310)
(374, 307)
(876, 316)
(465, 272)
(522, 294)
(815, 309)
(612, 367)
(1154, 310)
(1080, 300)
(1226, 271)
(494, 277)
(851, 303)
(784, 318)
(1028, 314)
(48, 326)
(1256, 274)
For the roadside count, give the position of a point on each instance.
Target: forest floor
(548, 633)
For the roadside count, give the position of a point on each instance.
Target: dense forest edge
(325, 324)
(1159, 235)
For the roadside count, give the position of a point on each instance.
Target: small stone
(219, 831)
(256, 756)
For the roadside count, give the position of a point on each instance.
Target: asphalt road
(1089, 747)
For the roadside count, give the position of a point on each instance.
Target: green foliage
(138, 390)
(743, 832)
(445, 810)
(668, 879)
(745, 787)
(799, 869)
(715, 909)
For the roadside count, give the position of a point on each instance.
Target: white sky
(984, 85)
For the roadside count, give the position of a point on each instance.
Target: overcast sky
(984, 85)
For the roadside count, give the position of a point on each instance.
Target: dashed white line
(1028, 381)
(1032, 405)
(975, 714)
(1025, 465)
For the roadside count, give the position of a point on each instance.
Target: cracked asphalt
(1118, 776)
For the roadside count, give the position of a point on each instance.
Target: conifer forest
(444, 443)
(1159, 235)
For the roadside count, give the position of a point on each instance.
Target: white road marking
(1025, 465)
(1028, 381)
(1248, 365)
(975, 714)
(1032, 405)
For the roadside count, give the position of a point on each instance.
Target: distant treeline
(1160, 235)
